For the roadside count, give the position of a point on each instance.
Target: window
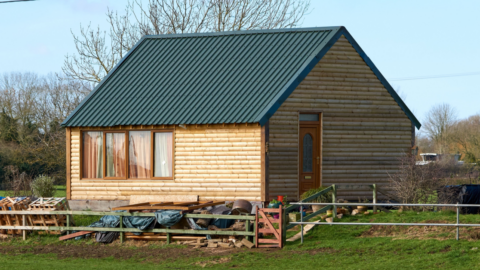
(307, 153)
(92, 158)
(136, 154)
(139, 154)
(163, 154)
(115, 161)
(309, 117)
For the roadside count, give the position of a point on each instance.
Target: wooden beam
(265, 163)
(73, 235)
(69, 159)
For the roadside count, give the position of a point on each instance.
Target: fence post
(121, 227)
(458, 220)
(301, 220)
(334, 200)
(24, 233)
(247, 229)
(284, 228)
(68, 224)
(375, 197)
(169, 236)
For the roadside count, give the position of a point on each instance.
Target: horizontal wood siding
(364, 129)
(214, 162)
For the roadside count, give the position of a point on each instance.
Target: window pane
(309, 117)
(139, 154)
(163, 154)
(92, 160)
(115, 156)
(307, 153)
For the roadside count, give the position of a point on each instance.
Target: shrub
(325, 198)
(42, 186)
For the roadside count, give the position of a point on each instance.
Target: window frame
(127, 158)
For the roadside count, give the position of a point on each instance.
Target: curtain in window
(139, 154)
(92, 155)
(163, 154)
(115, 156)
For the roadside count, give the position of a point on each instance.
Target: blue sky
(403, 38)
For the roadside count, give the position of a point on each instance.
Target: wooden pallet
(262, 218)
(12, 204)
(183, 206)
(49, 204)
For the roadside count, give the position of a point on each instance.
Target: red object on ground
(280, 198)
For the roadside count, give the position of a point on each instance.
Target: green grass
(325, 246)
(60, 192)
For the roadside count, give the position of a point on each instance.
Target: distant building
(432, 157)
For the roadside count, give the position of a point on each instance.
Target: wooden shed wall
(215, 162)
(364, 129)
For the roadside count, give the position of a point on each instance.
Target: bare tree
(99, 51)
(466, 137)
(438, 126)
(31, 110)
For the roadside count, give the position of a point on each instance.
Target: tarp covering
(168, 218)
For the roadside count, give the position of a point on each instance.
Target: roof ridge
(246, 32)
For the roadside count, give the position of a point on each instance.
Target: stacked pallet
(49, 204)
(12, 204)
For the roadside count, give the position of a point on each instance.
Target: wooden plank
(68, 153)
(164, 237)
(264, 152)
(103, 229)
(73, 235)
(267, 241)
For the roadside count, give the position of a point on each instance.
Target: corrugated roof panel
(225, 77)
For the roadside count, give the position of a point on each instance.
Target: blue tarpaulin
(166, 218)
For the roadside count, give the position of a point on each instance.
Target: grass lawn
(326, 247)
(60, 192)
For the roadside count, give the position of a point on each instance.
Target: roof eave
(109, 74)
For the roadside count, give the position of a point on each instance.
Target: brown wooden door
(309, 157)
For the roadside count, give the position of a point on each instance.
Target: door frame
(319, 125)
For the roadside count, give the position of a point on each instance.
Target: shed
(245, 114)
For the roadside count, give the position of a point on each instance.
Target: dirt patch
(144, 250)
(212, 262)
(423, 232)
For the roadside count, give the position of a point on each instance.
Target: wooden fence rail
(248, 219)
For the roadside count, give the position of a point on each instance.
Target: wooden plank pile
(49, 204)
(183, 206)
(12, 204)
(225, 242)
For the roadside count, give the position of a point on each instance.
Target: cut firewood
(247, 243)
(212, 245)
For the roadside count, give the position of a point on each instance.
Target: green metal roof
(209, 78)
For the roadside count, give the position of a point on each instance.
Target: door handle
(318, 160)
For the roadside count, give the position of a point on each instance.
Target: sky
(405, 39)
